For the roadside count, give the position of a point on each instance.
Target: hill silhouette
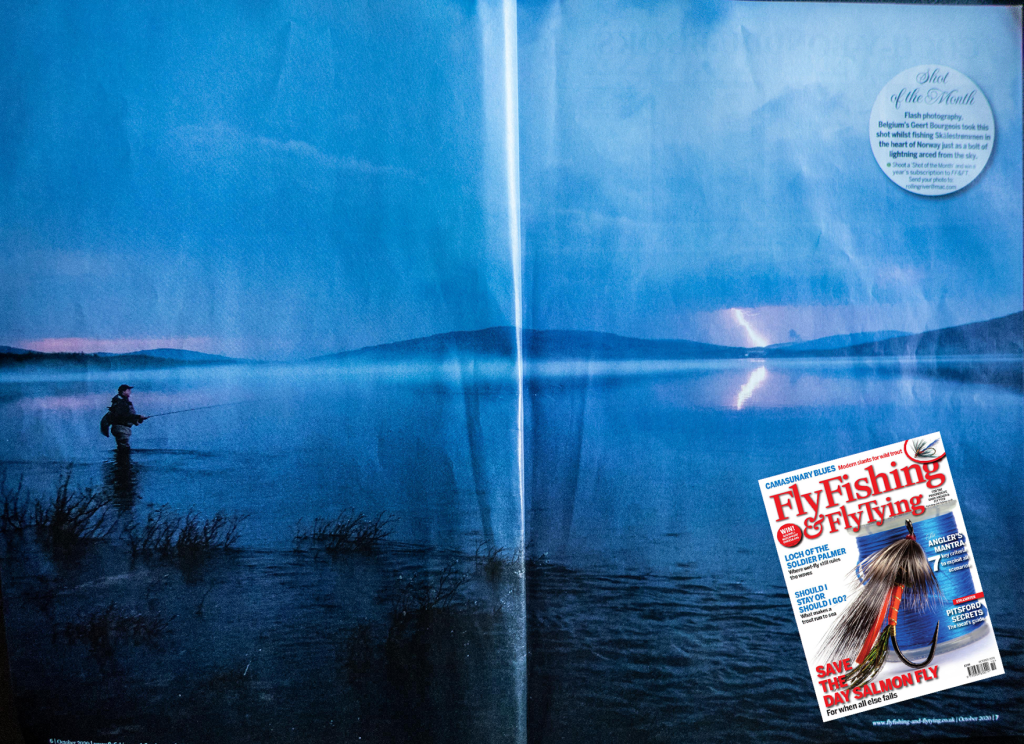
(999, 336)
(152, 359)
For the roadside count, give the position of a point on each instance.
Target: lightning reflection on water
(756, 379)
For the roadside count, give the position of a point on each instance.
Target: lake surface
(660, 612)
(654, 603)
(292, 443)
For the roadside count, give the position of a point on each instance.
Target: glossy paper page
(459, 336)
(699, 181)
(304, 541)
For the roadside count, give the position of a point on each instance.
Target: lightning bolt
(756, 339)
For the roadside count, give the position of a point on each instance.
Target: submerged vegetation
(168, 534)
(438, 639)
(69, 517)
(349, 531)
(497, 563)
(73, 515)
(419, 600)
(103, 631)
(428, 605)
(422, 625)
(13, 505)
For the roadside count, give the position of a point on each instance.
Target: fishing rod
(201, 408)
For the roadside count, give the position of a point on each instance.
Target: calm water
(660, 611)
(437, 448)
(655, 603)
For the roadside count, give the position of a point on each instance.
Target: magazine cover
(880, 572)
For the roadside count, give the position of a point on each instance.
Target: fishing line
(202, 408)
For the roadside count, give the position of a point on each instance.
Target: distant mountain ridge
(999, 336)
(496, 341)
(609, 346)
(500, 341)
(179, 354)
(838, 342)
(149, 359)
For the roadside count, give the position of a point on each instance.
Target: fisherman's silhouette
(121, 477)
(120, 418)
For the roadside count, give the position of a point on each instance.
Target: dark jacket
(122, 412)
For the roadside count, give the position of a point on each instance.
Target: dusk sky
(280, 180)
(259, 179)
(681, 162)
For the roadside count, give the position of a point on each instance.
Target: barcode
(975, 669)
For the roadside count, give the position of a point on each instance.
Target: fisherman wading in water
(121, 417)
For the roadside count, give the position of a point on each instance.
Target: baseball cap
(123, 388)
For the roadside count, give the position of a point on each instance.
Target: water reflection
(121, 478)
(556, 416)
(753, 382)
(608, 457)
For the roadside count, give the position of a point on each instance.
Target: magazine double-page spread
(510, 372)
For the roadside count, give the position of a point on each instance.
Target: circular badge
(931, 130)
(924, 452)
(789, 535)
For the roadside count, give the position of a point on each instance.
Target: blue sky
(683, 161)
(253, 178)
(286, 179)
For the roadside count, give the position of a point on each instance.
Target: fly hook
(873, 654)
(908, 662)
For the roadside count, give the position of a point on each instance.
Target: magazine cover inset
(880, 573)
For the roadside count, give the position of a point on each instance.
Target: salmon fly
(923, 450)
(898, 573)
